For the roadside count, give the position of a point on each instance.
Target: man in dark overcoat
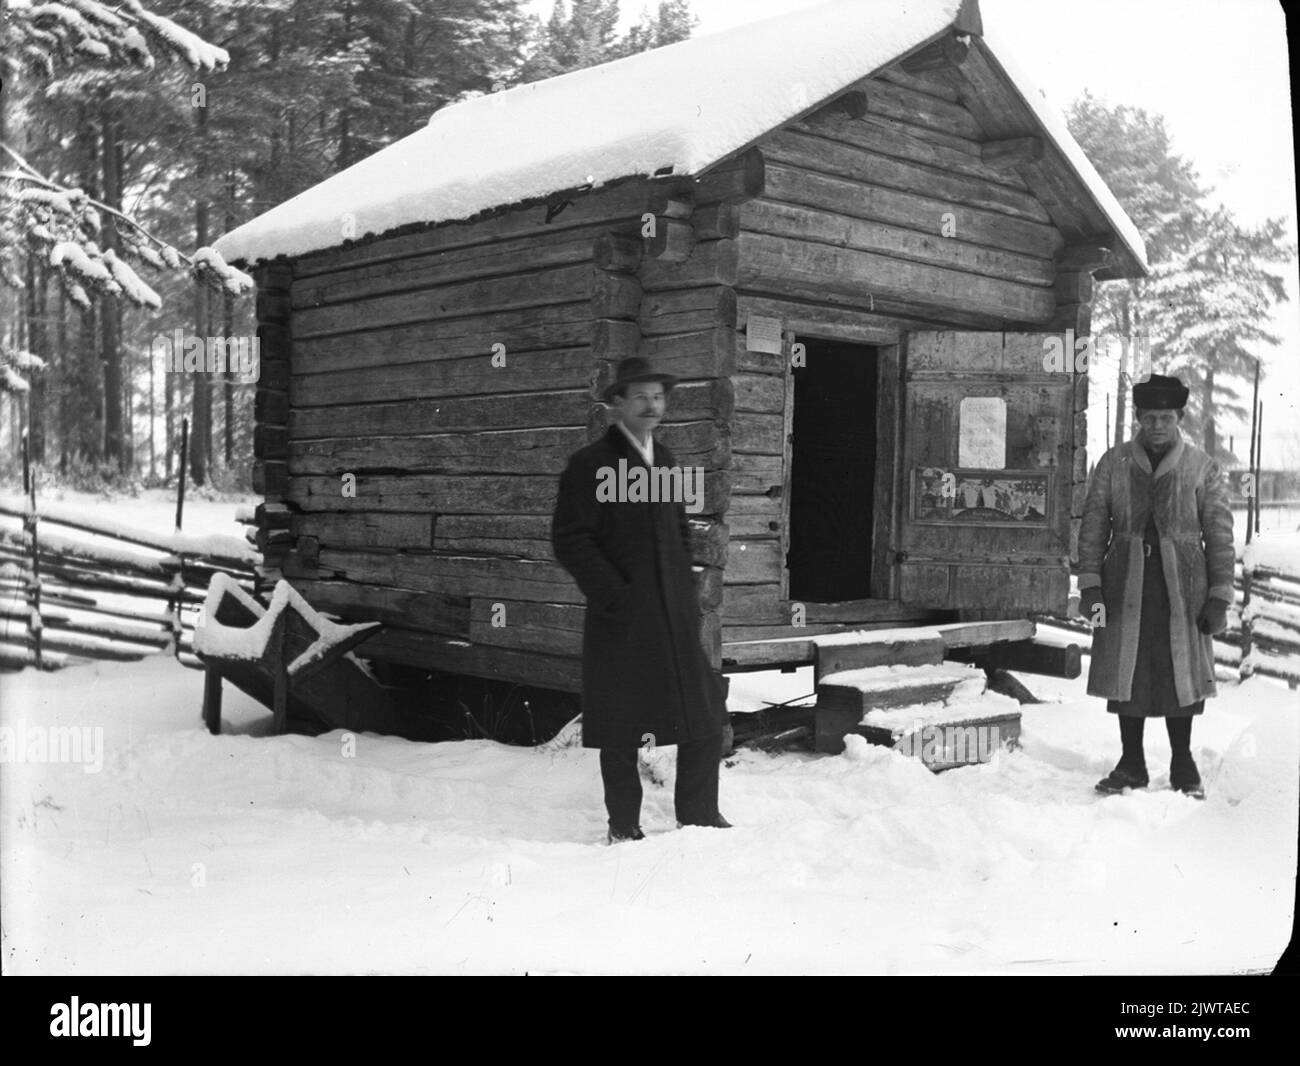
(645, 677)
(1156, 562)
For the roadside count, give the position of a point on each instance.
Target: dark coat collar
(617, 439)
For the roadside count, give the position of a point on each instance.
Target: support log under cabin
(854, 233)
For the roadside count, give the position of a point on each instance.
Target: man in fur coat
(1155, 579)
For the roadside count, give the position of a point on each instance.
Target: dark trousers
(695, 796)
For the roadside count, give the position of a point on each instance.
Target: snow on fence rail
(92, 589)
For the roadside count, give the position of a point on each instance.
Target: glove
(1214, 617)
(1089, 601)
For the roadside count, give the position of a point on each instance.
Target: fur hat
(1159, 393)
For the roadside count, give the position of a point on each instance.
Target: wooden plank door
(988, 449)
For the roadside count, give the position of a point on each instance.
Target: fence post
(1247, 572)
(1247, 624)
(1259, 464)
(1252, 520)
(34, 626)
(180, 480)
(175, 604)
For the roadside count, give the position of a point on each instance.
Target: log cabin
(863, 242)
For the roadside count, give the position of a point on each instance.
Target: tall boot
(1183, 775)
(1131, 770)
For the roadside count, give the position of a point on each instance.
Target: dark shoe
(621, 833)
(1185, 778)
(718, 822)
(1120, 779)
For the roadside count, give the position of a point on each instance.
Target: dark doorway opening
(832, 472)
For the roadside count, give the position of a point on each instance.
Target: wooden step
(942, 736)
(911, 646)
(868, 688)
(845, 697)
(964, 733)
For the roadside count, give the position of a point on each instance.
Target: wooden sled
(293, 660)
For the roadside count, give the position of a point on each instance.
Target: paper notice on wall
(982, 433)
(763, 334)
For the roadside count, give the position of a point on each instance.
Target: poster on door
(980, 497)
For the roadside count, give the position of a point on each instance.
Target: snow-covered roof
(680, 109)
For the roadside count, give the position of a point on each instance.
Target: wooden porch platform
(849, 648)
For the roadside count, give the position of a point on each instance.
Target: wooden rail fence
(75, 588)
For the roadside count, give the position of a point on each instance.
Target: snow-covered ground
(247, 853)
(153, 509)
(188, 853)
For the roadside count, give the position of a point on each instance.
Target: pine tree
(1212, 302)
(412, 57)
(673, 21)
(1212, 285)
(586, 35)
(1160, 192)
(91, 244)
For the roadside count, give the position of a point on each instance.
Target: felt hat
(633, 369)
(1159, 393)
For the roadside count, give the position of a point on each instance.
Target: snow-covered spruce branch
(13, 364)
(118, 34)
(63, 223)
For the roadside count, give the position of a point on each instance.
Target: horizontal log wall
(896, 209)
(439, 383)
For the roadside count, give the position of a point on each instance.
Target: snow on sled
(289, 657)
